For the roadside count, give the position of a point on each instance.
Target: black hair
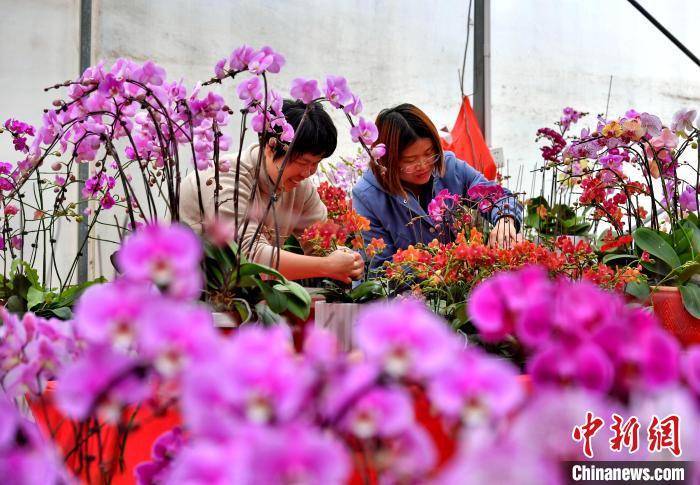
(317, 135)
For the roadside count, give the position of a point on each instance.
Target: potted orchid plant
(342, 229)
(556, 212)
(642, 183)
(140, 133)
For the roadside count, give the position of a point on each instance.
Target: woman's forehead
(418, 147)
(307, 158)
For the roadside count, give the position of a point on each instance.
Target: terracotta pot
(669, 309)
(339, 318)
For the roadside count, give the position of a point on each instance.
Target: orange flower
(612, 130)
(375, 247)
(633, 129)
(475, 236)
(357, 242)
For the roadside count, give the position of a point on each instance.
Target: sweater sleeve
(312, 211)
(376, 230)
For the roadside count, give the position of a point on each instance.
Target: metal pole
(84, 168)
(482, 66)
(665, 31)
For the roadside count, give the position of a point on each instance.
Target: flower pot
(147, 424)
(669, 309)
(339, 318)
(225, 320)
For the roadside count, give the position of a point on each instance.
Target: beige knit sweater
(291, 213)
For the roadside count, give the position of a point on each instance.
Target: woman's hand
(345, 265)
(504, 234)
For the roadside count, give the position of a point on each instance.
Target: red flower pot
(669, 309)
(147, 426)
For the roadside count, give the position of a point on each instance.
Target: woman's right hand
(345, 265)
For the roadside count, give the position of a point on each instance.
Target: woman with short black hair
(295, 204)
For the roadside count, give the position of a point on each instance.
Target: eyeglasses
(426, 162)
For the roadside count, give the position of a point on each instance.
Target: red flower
(622, 241)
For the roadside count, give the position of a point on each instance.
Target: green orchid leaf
(655, 244)
(690, 293)
(35, 297)
(638, 289)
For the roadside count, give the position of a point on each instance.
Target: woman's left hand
(504, 234)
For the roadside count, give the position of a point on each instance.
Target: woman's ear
(270, 149)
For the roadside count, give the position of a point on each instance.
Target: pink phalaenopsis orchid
(496, 309)
(163, 452)
(683, 120)
(278, 60)
(305, 90)
(337, 91)
(240, 58)
(476, 389)
(381, 412)
(442, 203)
(250, 90)
(688, 200)
(102, 382)
(220, 69)
(365, 131)
(354, 107)
(378, 151)
(167, 256)
(405, 339)
(26, 457)
(691, 368)
(486, 195)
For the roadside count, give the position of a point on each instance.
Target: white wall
(390, 51)
(545, 54)
(548, 54)
(40, 46)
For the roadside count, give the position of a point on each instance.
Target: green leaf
(686, 271)
(249, 269)
(292, 245)
(563, 212)
(215, 278)
(15, 304)
(298, 310)
(369, 290)
(578, 229)
(694, 234)
(681, 237)
(276, 300)
(638, 289)
(686, 257)
(655, 245)
(657, 267)
(300, 292)
(35, 297)
(265, 315)
(63, 313)
(690, 293)
(21, 285)
(72, 293)
(536, 201)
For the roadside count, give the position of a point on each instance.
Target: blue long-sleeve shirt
(393, 217)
